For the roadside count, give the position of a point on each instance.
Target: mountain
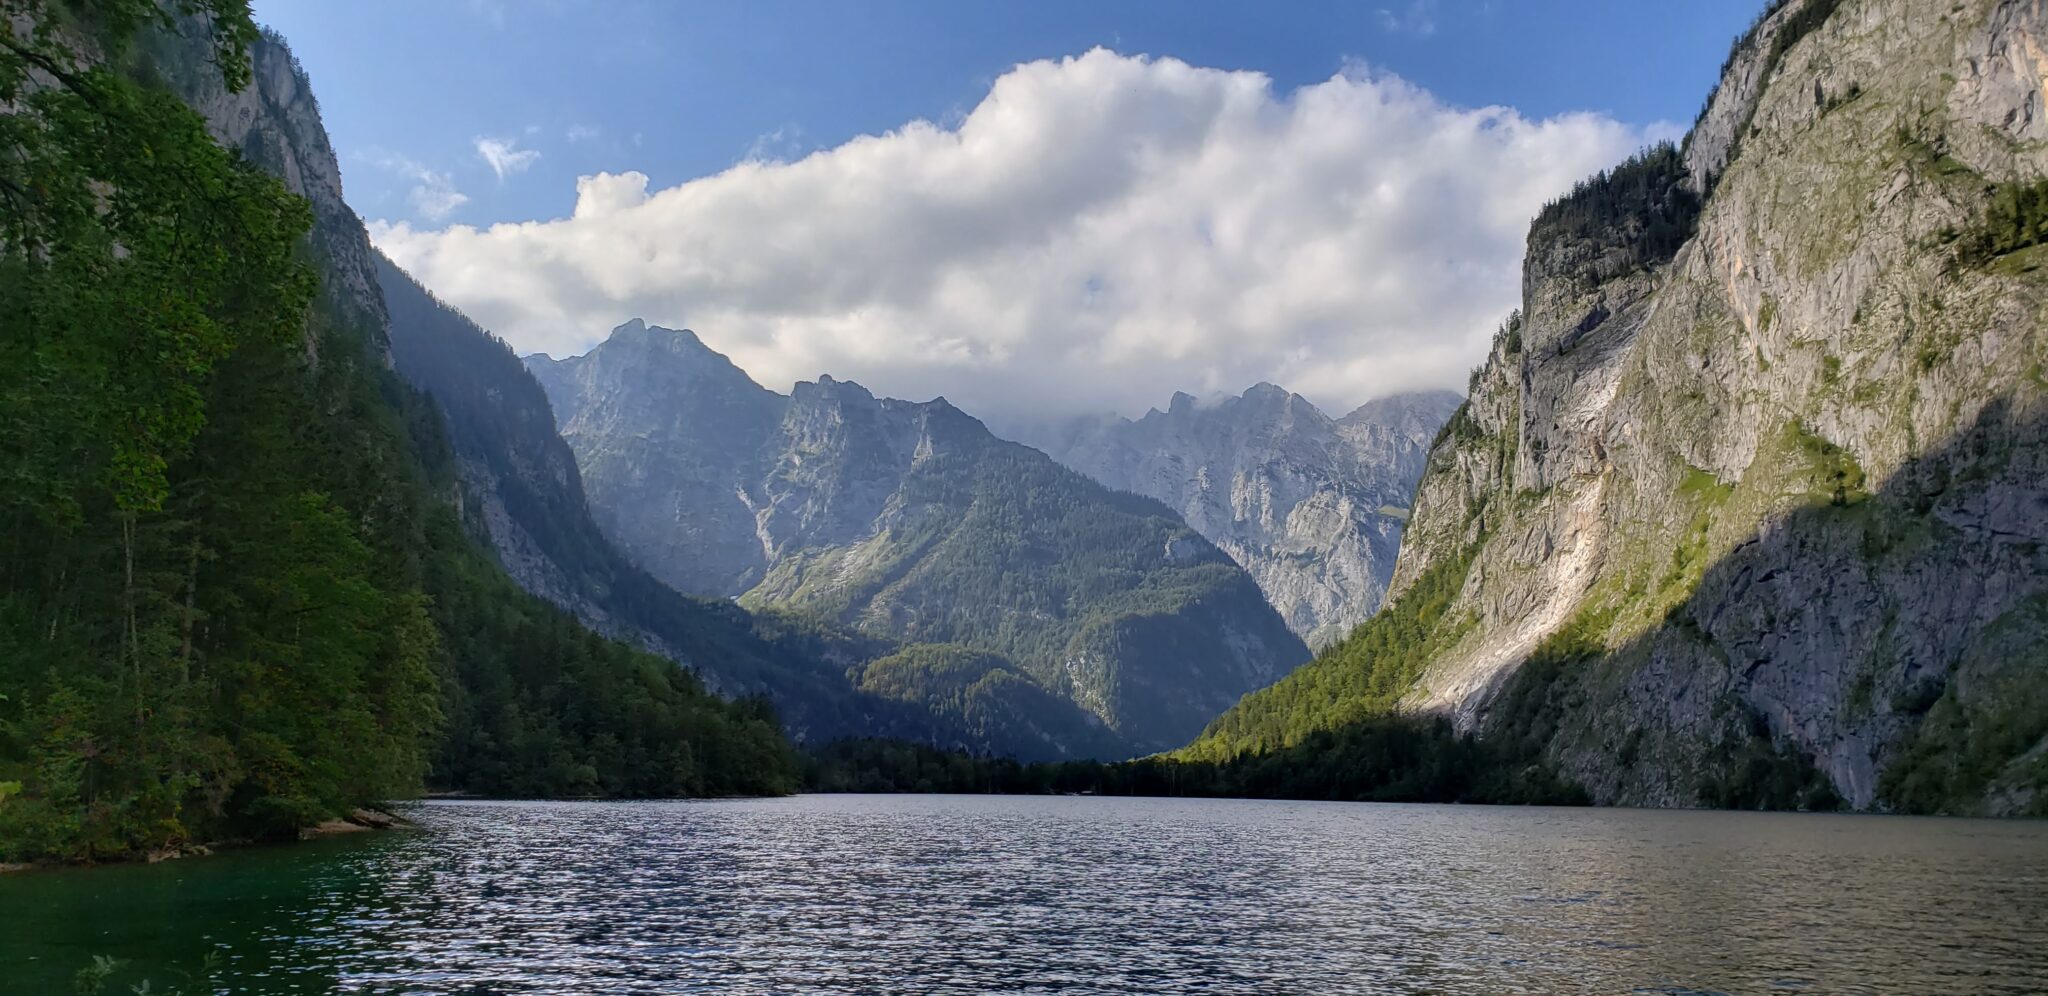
(236, 598)
(697, 418)
(1310, 506)
(524, 493)
(911, 520)
(1749, 503)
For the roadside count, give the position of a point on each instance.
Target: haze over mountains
(911, 521)
(522, 491)
(912, 524)
(1311, 506)
(1745, 507)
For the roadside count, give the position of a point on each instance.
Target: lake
(945, 894)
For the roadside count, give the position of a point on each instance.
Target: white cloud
(433, 194)
(437, 203)
(504, 155)
(781, 145)
(1099, 232)
(582, 133)
(1417, 18)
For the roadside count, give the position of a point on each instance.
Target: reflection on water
(969, 894)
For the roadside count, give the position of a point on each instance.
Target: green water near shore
(967, 894)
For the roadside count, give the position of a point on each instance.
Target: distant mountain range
(1311, 506)
(522, 492)
(911, 521)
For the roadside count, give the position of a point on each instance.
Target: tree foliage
(2016, 218)
(1360, 677)
(1386, 759)
(232, 601)
(1635, 215)
(990, 703)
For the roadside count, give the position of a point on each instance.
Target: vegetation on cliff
(1358, 679)
(1634, 215)
(1751, 516)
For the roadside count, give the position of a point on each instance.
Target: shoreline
(362, 819)
(359, 820)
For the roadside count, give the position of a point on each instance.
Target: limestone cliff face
(674, 508)
(1310, 506)
(275, 123)
(1779, 495)
(909, 520)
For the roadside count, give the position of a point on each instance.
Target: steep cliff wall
(1749, 504)
(275, 123)
(1777, 499)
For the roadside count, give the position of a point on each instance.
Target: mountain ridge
(910, 519)
(522, 491)
(1312, 507)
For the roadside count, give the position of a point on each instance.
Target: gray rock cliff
(1775, 503)
(911, 521)
(1312, 507)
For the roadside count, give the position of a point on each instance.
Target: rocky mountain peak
(684, 343)
(1310, 508)
(674, 359)
(831, 390)
(910, 519)
(1416, 416)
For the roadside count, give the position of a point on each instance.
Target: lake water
(944, 894)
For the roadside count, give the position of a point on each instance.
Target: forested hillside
(523, 490)
(235, 595)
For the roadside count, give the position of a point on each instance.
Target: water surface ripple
(959, 894)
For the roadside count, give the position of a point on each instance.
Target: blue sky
(679, 90)
(1032, 208)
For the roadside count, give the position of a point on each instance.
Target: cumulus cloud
(504, 156)
(433, 194)
(1098, 232)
